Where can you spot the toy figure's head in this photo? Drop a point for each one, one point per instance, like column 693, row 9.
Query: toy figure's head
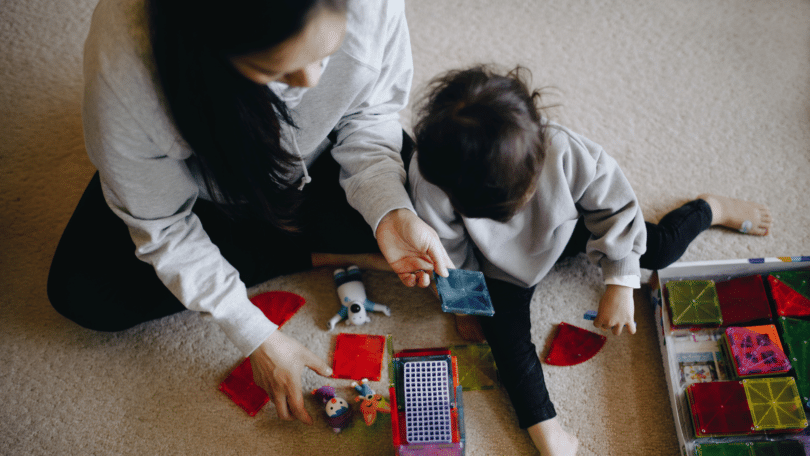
column 338, row 413
column 357, row 314
column 336, row 406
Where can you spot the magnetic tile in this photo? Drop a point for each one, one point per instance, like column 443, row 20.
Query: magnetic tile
column 693, row 302
column 789, row 293
column 719, row 408
column 743, row 300
column 278, row 306
column 358, row 356
column 572, row 345
column 724, row 449
column 476, row 366
column 775, row 403
column 239, row 386
column 796, row 335
column 778, row 448
column 756, row 350
column 464, row 292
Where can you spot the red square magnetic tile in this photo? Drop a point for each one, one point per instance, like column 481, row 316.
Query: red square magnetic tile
column 358, row 356
column 743, row 300
column 720, row 408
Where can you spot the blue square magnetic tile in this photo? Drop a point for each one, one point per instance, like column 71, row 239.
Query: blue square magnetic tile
column 464, row 292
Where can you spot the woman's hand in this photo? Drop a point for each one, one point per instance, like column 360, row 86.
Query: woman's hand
column 616, row 310
column 277, row 365
column 411, row 247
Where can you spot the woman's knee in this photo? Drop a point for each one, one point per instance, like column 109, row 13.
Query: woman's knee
column 71, row 300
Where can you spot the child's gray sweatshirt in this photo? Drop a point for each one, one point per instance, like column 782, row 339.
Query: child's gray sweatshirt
column 577, row 179
column 149, row 183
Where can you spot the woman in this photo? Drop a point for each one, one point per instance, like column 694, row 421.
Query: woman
column 208, row 122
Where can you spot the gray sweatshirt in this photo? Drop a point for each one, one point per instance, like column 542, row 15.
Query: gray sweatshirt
column 577, row 179
column 149, row 183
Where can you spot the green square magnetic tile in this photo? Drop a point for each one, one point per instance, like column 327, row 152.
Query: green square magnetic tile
column 778, row 448
column 476, row 366
column 693, row 302
column 775, row 403
column 796, row 338
column 724, row 449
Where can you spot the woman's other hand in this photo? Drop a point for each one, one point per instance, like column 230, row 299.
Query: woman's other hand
column 277, row 365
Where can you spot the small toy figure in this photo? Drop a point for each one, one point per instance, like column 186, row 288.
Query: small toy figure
column 352, row 296
column 338, row 413
column 371, row 402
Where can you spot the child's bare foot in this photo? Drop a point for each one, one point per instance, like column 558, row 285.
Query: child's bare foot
column 551, row 439
column 469, row 328
column 743, row 216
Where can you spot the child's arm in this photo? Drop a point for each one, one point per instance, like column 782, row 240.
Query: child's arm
column 616, row 310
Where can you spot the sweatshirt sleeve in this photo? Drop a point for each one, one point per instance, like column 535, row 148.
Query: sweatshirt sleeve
column 152, row 191
column 610, row 209
column 369, row 137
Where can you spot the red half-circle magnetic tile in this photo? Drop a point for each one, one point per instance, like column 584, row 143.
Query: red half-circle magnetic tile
column 754, row 353
column 743, row 300
column 239, row 386
column 573, row 345
column 789, row 302
column 278, row 306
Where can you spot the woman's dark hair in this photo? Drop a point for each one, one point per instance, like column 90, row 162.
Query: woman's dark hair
column 232, row 124
column 480, row 139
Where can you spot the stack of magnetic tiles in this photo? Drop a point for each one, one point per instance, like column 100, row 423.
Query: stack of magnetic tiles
column 770, row 365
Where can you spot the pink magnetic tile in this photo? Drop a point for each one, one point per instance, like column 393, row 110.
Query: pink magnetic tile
column 755, row 353
column 358, row 356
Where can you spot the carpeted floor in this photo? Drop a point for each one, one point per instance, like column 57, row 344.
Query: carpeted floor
column 688, row 96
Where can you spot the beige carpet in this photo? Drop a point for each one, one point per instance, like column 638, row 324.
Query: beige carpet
column 689, row 96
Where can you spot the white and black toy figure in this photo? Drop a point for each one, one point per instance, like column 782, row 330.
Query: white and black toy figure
column 338, row 413
column 352, row 294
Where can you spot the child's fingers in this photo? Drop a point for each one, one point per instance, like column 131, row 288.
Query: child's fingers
column 408, row 278
column 631, row 327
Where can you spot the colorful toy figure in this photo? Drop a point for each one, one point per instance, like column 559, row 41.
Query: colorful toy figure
column 352, row 294
column 370, row 402
column 338, row 413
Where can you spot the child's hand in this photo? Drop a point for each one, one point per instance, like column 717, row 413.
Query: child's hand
column 616, row 310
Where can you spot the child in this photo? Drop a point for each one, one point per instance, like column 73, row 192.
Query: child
column 509, row 193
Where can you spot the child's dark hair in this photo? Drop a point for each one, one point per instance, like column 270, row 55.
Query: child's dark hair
column 480, row 139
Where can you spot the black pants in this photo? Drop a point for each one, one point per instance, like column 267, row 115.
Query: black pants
column 96, row 281
column 508, row 332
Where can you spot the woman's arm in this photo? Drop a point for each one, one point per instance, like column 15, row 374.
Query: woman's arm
column 147, row 184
